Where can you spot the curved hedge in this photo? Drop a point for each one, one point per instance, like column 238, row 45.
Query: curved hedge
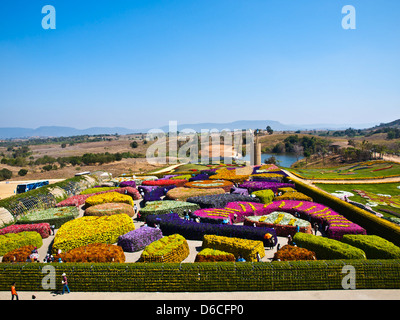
column 374, row 247
column 326, row 248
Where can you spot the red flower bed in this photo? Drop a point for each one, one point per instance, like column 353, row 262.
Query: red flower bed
column 164, row 183
column 42, row 228
column 80, row 199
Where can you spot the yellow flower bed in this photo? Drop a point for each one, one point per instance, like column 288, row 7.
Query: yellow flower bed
column 173, row 248
column 108, row 198
column 293, row 196
column 248, row 249
column 91, row 229
column 229, row 175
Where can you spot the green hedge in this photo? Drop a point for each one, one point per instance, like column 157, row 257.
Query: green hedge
column 374, row 247
column 206, row 276
column 367, row 220
column 326, row 248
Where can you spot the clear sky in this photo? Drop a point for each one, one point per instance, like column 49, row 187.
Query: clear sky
column 139, row 64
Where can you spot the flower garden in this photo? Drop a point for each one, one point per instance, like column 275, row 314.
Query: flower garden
column 191, row 236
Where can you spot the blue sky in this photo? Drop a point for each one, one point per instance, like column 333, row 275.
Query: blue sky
column 139, row 64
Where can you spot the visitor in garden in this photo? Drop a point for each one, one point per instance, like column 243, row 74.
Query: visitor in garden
column 64, row 282
column 14, row 292
column 240, row 258
column 52, row 227
column 315, row 226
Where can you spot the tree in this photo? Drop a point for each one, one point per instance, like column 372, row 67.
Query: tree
column 269, row 130
column 22, row 172
column 134, row 144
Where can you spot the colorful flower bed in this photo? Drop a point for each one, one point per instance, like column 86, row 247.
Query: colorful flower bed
column 210, row 184
column 12, row 241
column 91, row 229
column 220, row 200
column 166, row 206
column 386, row 200
column 374, row 246
column 18, row 255
column 42, row 228
column 292, row 253
column 248, row 249
column 261, row 185
column 293, row 195
column 337, row 224
column 213, row 255
column 173, row 248
column 107, row 209
column 191, row 230
column 79, row 200
column 97, row 190
column 95, row 252
column 128, row 183
column 53, row 216
column 182, row 193
column 108, row 198
column 284, row 223
column 138, row 239
column 233, row 212
column 74, row 201
column 267, row 177
column 165, row 182
column 229, row 175
column 327, row 249
column 265, row 196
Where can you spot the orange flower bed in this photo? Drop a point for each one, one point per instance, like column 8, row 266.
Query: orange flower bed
column 289, row 253
column 96, row 252
column 18, row 255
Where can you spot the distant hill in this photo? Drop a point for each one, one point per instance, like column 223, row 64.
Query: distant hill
column 58, row 131
column 393, row 124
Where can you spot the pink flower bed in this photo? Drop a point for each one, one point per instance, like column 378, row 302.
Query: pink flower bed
column 234, row 212
column 316, row 212
column 80, row 199
column 42, row 228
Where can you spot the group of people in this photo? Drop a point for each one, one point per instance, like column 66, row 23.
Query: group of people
column 64, row 282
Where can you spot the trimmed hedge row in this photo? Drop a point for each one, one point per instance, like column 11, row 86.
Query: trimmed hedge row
column 367, row 220
column 206, row 276
column 326, row 248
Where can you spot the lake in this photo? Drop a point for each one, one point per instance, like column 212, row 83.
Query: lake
column 285, row 159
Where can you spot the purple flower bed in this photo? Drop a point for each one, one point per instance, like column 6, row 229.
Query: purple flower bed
column 191, row 230
column 262, row 185
column 242, row 191
column 128, row 184
column 138, row 239
column 201, row 176
column 220, row 200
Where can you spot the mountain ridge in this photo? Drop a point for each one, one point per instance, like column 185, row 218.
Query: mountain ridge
column 63, row 131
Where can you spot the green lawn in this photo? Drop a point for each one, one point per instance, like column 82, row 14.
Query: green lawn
column 376, row 188
column 363, row 170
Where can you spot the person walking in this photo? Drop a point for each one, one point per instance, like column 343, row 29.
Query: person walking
column 64, row 281
column 14, row 292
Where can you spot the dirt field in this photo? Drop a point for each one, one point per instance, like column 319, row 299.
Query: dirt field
column 7, row 188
